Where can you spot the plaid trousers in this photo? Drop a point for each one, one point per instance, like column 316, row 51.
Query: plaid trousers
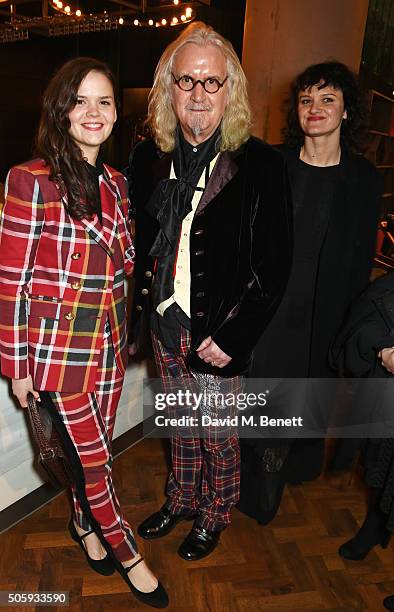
column 205, row 475
column 89, row 419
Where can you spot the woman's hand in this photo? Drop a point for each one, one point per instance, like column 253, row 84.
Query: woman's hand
column 211, row 353
column 387, row 357
column 21, row 387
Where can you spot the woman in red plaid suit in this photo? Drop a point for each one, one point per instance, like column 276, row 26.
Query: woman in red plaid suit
column 65, row 246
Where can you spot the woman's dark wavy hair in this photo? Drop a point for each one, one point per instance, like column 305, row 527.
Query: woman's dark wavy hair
column 337, row 75
column 54, row 143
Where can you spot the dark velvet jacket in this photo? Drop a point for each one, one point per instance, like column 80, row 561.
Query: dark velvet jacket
column 240, row 247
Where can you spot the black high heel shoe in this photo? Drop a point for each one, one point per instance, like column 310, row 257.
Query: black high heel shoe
column 105, row 566
column 372, row 532
column 157, row 598
column 356, row 550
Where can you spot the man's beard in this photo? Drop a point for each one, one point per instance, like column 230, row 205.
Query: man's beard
column 197, row 127
column 197, row 121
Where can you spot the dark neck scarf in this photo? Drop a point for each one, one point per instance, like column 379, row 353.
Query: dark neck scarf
column 172, row 199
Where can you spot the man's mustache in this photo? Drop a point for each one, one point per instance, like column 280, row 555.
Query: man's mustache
column 198, row 107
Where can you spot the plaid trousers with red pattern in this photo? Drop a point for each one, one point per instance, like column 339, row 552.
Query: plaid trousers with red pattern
column 89, row 419
column 205, row 475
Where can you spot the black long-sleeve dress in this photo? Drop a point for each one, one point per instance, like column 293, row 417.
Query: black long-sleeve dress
column 336, row 210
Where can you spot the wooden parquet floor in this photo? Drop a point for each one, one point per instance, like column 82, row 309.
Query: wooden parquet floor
column 290, row 565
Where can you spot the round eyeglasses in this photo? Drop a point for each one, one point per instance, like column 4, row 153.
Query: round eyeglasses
column 187, row 83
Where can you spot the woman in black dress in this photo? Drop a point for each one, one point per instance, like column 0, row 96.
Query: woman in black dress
column 336, row 195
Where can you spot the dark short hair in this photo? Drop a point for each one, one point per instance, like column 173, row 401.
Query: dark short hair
column 338, row 76
column 54, row 143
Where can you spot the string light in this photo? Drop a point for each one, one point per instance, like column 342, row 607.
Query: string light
column 106, row 17
column 74, row 21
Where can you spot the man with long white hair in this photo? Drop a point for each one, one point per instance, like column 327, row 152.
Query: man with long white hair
column 213, row 255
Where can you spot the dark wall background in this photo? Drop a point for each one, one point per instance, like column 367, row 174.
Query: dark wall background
column 26, row 66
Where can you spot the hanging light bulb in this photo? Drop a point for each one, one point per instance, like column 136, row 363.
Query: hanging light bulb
column 70, row 8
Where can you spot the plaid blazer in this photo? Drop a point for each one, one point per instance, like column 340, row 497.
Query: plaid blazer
column 61, row 280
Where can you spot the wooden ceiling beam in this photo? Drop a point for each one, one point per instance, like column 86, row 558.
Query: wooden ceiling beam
column 18, row 2
column 128, row 4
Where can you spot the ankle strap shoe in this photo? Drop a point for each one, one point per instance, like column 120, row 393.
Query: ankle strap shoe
column 105, row 566
column 157, row 598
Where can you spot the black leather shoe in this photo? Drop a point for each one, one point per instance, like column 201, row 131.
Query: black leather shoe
column 198, row 544
column 105, row 566
column 161, row 523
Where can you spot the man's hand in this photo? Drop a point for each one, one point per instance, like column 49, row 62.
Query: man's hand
column 387, row 357
column 133, row 348
column 211, row 353
column 21, row 387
